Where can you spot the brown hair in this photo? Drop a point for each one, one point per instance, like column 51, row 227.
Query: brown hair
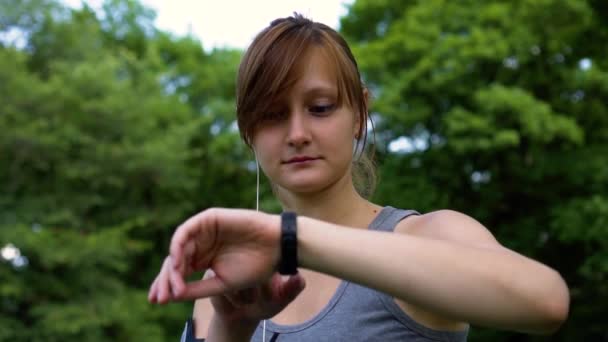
column 270, row 67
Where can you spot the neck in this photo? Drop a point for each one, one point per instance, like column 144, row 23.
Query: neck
column 339, row 203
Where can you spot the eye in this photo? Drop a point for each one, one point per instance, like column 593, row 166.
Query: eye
column 321, row 109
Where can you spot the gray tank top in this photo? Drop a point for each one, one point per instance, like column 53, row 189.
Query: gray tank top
column 358, row 313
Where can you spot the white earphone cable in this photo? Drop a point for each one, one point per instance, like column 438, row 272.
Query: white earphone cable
column 257, row 208
column 257, row 186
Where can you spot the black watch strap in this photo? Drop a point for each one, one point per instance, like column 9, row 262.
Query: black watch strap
column 288, row 264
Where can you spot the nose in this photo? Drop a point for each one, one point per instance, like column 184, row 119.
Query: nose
column 298, row 130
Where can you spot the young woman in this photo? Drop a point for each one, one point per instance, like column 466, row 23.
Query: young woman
column 366, row 272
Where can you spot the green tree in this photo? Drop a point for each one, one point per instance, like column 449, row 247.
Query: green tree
column 498, row 107
column 113, row 133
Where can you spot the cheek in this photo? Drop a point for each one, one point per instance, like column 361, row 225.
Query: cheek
column 341, row 148
column 344, row 137
column 262, row 141
column 266, row 153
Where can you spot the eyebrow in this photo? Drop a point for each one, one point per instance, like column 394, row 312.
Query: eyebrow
column 321, row 90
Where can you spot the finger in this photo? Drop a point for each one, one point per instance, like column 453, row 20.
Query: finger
column 204, row 288
column 292, row 287
column 164, row 287
column 176, row 280
column 209, row 222
column 269, row 288
column 160, row 286
column 186, row 232
column 154, row 288
column 281, row 289
column 152, row 291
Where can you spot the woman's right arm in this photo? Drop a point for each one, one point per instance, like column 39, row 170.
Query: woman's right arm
column 235, row 316
column 211, row 327
column 197, row 327
column 201, row 317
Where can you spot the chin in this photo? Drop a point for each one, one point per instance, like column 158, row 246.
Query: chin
column 307, row 185
column 300, row 183
column 304, row 187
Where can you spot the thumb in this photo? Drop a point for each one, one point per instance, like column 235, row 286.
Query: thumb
column 210, row 285
column 290, row 287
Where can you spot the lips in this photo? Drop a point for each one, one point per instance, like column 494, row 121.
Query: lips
column 300, row 159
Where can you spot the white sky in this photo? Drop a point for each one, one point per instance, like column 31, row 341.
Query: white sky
column 233, row 23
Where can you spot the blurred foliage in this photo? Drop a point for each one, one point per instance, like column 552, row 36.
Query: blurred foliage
column 501, row 107
column 113, row 132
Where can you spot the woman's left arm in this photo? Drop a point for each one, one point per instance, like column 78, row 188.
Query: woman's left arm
column 445, row 262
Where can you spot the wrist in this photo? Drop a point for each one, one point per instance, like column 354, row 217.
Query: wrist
column 312, row 236
column 303, row 232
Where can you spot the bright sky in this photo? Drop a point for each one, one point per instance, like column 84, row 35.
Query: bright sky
column 233, row 23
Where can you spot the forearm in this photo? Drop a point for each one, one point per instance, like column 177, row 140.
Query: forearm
column 480, row 286
column 221, row 330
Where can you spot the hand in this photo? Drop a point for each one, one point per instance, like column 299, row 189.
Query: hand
column 261, row 302
column 240, row 246
column 247, row 305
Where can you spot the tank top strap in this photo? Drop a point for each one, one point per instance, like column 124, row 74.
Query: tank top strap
column 389, row 217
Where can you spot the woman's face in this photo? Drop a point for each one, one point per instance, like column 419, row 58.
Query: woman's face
column 305, row 143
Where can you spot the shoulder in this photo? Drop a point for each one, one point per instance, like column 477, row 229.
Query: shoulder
column 448, row 225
